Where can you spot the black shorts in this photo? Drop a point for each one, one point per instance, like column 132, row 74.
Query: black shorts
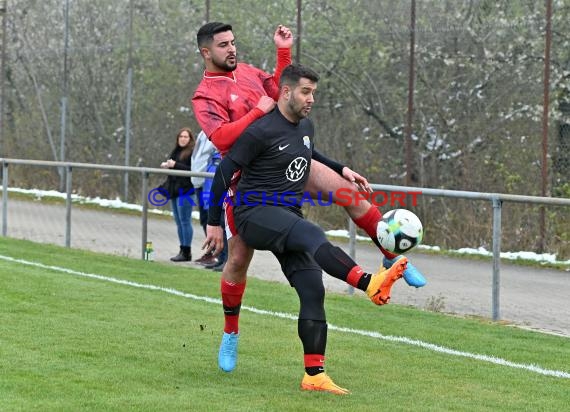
column 267, row 228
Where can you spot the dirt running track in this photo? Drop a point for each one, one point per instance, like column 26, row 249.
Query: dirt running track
column 529, row 297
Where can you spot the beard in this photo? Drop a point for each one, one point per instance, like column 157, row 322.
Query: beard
column 296, row 110
column 225, row 65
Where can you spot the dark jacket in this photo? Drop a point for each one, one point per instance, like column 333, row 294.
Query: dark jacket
column 179, row 184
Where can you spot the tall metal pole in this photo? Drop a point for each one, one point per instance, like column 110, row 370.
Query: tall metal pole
column 129, row 103
column 3, row 11
column 545, row 108
column 299, row 32
column 411, row 78
column 63, row 126
column 496, row 289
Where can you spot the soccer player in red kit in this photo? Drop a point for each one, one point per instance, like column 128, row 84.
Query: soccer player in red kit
column 229, row 98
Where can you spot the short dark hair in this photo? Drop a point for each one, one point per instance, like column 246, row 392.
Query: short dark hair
column 206, row 33
column 294, row 72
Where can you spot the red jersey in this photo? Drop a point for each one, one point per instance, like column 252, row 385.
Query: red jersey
column 225, row 103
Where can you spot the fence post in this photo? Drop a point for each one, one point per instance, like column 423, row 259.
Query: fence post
column 68, row 207
column 4, row 197
column 497, row 203
column 351, row 247
column 144, row 212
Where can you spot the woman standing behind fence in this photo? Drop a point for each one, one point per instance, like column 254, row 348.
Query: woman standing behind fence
column 181, row 159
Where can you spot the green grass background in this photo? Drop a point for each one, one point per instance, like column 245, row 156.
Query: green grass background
column 71, row 343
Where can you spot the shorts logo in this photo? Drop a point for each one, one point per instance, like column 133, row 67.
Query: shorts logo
column 296, row 169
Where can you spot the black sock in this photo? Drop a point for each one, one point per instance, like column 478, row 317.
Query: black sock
column 334, row 261
column 314, row 370
column 364, row 281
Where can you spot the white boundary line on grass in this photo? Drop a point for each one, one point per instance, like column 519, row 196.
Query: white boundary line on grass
column 376, row 335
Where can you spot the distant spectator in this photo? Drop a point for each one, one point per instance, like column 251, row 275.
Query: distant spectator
column 180, row 159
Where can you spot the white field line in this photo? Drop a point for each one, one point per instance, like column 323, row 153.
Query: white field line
column 376, row 335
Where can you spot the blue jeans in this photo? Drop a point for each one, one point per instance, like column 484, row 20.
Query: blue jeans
column 182, row 211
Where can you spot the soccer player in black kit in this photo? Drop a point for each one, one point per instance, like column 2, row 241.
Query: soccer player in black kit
column 274, row 155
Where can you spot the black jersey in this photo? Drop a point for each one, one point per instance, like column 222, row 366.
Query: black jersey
column 275, row 157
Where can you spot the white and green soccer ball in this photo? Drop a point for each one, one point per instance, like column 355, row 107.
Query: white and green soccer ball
column 399, row 231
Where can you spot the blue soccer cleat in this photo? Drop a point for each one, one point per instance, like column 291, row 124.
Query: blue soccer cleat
column 412, row 275
column 227, row 357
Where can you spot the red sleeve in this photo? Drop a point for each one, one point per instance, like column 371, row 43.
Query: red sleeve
column 226, row 135
column 283, row 60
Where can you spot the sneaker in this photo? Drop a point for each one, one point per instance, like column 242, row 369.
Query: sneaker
column 205, row 259
column 208, row 260
column 227, row 357
column 322, row 382
column 215, row 262
column 381, row 283
column 412, row 275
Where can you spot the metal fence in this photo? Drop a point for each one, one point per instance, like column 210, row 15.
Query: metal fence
column 447, row 94
column 495, row 199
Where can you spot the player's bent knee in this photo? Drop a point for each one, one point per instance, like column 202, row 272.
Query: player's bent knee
column 239, row 256
column 236, row 264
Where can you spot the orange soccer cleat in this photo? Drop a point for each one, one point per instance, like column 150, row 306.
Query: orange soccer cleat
column 381, row 283
column 322, row 382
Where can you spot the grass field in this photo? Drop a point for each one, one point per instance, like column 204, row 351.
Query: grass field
column 86, row 331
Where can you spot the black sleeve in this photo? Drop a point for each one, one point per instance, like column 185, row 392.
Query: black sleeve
column 319, row 157
column 183, row 164
column 220, row 184
column 180, row 164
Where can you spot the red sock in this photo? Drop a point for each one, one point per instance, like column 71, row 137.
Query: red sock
column 232, row 294
column 314, row 359
column 314, row 363
column 369, row 223
column 354, row 276
column 389, row 255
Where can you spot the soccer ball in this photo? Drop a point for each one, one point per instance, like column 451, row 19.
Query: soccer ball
column 399, row 231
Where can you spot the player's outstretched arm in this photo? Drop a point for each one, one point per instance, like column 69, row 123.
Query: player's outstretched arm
column 226, row 135
column 347, row 173
column 283, row 39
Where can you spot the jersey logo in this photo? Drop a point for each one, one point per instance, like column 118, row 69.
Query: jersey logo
column 307, row 142
column 234, row 97
column 296, row 169
column 284, row 146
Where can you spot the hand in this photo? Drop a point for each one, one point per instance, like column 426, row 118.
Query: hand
column 283, row 37
column 214, row 240
column 170, row 163
column 266, row 104
column 164, row 165
column 355, row 178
